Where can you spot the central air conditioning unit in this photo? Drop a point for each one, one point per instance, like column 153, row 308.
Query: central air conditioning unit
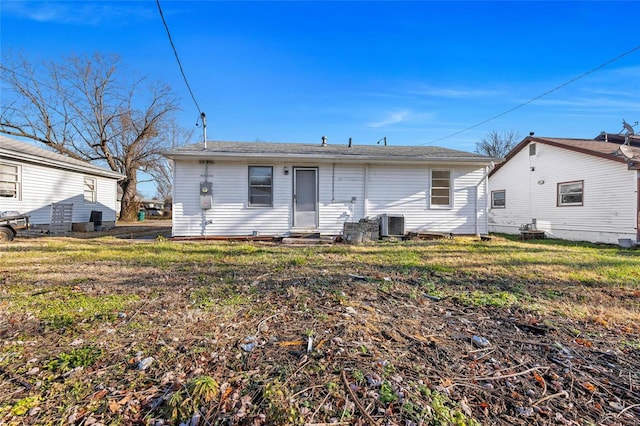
column 391, row 225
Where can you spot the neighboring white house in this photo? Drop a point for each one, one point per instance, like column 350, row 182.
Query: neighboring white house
column 32, row 178
column 573, row 189
column 242, row 188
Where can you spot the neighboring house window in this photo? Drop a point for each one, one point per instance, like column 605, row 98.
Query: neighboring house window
column 532, row 149
column 261, row 186
column 90, row 193
column 9, row 181
column 498, row 199
column 570, row 193
column 441, row 188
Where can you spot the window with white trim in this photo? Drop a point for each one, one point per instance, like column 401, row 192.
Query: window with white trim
column 441, row 188
column 570, row 193
column 498, row 199
column 10, row 181
column 260, row 186
column 90, row 190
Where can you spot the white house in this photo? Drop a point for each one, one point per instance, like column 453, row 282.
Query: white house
column 32, row 178
column 243, row 188
column 573, row 189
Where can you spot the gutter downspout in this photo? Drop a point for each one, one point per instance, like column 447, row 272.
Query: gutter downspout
column 366, row 191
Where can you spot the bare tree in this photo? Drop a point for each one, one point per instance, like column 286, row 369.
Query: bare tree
column 87, row 108
column 163, row 174
column 497, row 144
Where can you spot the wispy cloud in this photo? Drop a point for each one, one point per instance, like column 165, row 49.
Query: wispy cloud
column 391, row 118
column 452, row 93
column 77, row 12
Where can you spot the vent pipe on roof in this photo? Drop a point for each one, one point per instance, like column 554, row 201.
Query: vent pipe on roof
column 350, row 143
column 204, row 129
column 324, row 141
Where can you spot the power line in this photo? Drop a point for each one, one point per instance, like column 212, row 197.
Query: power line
column 175, row 52
column 573, row 80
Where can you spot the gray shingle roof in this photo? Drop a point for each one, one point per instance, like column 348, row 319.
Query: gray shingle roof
column 21, row 151
column 329, row 151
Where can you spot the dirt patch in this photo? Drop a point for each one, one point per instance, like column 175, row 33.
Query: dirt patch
column 145, row 230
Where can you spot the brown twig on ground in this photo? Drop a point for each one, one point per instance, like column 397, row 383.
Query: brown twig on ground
column 356, row 400
column 548, row 397
column 627, row 409
column 16, row 379
column 320, row 406
column 527, row 342
column 506, row 376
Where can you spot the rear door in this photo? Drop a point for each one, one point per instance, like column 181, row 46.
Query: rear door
column 305, row 197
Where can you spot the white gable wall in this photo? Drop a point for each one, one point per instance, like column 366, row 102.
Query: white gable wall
column 347, row 192
column 610, row 197
column 41, row 186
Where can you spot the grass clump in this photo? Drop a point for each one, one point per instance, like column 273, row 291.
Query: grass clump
column 442, row 410
column 79, row 357
column 198, row 393
column 223, row 294
column 63, row 306
column 486, row 298
column 22, row 406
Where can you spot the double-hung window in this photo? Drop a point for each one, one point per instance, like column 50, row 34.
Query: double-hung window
column 571, row 193
column 90, row 190
column 498, row 199
column 441, row 188
column 9, row 181
column 260, row 186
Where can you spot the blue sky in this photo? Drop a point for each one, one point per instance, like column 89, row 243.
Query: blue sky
column 415, row 72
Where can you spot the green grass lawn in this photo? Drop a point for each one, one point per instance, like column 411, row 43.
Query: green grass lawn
column 78, row 316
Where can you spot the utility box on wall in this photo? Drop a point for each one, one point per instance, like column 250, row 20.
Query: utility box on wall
column 206, row 197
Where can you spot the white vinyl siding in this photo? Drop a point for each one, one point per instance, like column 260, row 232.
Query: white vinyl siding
column 230, row 213
column 42, row 185
column 346, row 193
column 341, row 195
column 609, row 207
column 36, row 178
column 9, row 180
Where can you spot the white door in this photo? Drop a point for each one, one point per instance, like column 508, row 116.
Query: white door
column 305, row 197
